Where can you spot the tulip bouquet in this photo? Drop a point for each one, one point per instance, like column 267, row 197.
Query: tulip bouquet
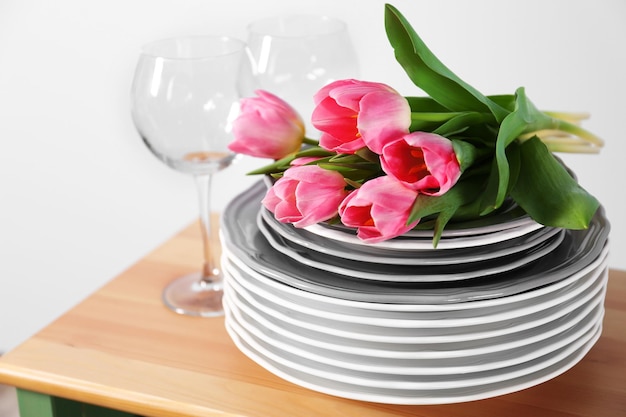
column 387, row 163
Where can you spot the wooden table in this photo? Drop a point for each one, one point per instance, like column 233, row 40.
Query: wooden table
column 120, row 349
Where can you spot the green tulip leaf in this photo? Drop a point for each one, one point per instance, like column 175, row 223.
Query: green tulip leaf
column 429, row 73
column 425, row 104
column 548, row 193
column 466, row 153
column 503, row 144
column 283, row 164
column 459, row 123
column 445, row 206
column 489, row 194
column 506, row 101
column 524, row 118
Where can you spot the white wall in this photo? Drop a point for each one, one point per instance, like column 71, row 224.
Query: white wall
column 82, row 199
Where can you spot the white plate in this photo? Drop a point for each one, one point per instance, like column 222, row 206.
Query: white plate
column 343, row 305
column 496, row 232
column 425, row 244
column 412, row 343
column 415, row 360
column 304, row 239
column 408, row 273
column 408, row 383
column 433, row 319
column 424, row 347
column 415, row 397
column 433, row 332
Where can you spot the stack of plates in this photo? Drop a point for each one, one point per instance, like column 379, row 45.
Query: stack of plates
column 495, row 309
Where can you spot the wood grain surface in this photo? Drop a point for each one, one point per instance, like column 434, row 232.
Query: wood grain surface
column 120, row 348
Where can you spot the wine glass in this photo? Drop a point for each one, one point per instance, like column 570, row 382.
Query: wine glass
column 184, row 98
column 294, row 56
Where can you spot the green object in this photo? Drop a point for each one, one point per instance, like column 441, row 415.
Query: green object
column 523, row 168
column 34, row 404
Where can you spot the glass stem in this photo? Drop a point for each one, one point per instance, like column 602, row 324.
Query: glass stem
column 210, row 270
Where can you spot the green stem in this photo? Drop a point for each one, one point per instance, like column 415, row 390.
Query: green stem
column 578, row 131
column 569, row 145
column 284, row 163
column 559, row 132
column 433, row 116
column 310, row 141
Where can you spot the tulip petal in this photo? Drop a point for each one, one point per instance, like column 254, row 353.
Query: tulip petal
column 349, row 113
column 379, row 209
column 423, row 161
column 306, row 195
column 384, row 117
column 267, row 127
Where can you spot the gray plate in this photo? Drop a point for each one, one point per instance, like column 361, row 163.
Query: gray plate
column 454, row 271
column 243, row 239
column 306, row 240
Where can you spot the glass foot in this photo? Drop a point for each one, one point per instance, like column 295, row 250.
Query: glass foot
column 190, row 296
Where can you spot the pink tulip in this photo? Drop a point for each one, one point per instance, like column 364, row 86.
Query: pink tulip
column 306, row 195
column 267, row 127
column 379, row 209
column 352, row 114
column 424, row 162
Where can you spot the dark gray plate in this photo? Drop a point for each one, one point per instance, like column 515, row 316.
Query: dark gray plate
column 243, row 239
